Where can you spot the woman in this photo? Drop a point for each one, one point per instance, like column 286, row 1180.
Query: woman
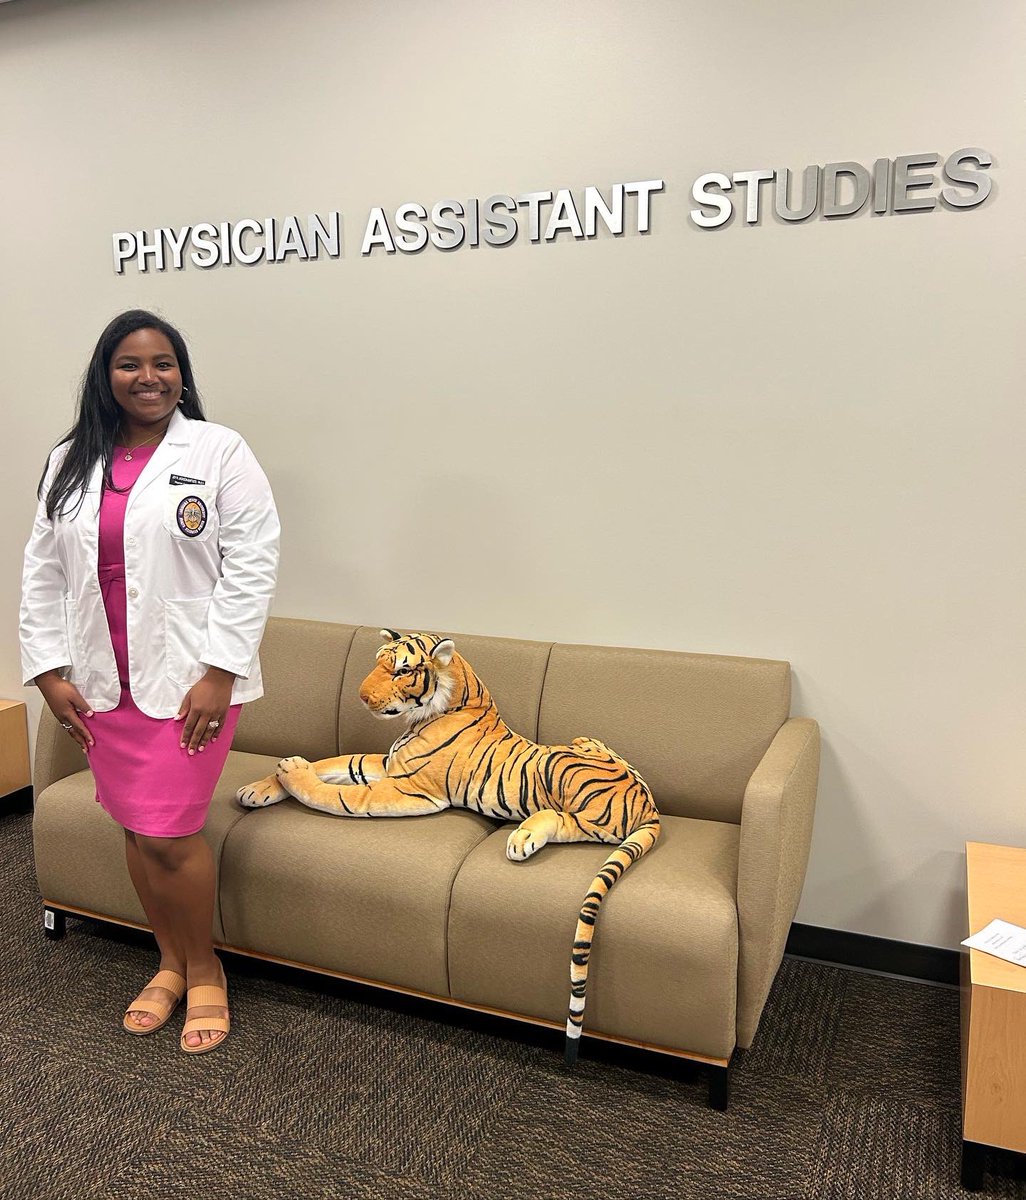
column 147, row 583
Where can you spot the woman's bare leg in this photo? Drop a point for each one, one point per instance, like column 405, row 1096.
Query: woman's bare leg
column 172, row 955
column 180, row 876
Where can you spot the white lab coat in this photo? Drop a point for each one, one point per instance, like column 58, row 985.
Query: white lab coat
column 201, row 559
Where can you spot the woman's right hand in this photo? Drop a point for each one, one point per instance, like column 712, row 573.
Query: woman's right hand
column 66, row 703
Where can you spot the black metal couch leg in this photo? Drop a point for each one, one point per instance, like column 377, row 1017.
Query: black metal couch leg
column 719, row 1088
column 54, row 923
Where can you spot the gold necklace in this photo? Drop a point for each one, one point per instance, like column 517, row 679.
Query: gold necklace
column 129, row 449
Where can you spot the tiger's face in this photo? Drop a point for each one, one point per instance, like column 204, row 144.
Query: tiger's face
column 409, row 678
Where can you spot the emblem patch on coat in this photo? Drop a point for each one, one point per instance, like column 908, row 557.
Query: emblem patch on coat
column 192, row 516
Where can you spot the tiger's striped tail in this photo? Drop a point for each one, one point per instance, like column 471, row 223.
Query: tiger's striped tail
column 638, row 842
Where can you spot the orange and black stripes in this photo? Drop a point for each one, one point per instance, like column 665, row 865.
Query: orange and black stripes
column 639, row 842
column 458, row 750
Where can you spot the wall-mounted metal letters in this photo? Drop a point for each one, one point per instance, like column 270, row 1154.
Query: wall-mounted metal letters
column 837, row 189
column 841, row 189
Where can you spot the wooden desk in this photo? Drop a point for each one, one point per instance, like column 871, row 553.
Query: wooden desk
column 15, row 774
column 993, row 1013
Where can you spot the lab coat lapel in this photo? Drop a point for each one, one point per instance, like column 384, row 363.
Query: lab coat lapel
column 94, row 492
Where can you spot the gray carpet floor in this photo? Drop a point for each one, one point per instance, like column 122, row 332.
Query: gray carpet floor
column 851, row 1091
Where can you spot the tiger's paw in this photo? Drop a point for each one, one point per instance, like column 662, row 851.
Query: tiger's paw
column 261, row 794
column 521, row 844
column 292, row 772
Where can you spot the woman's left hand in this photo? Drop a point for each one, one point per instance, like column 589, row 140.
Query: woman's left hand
column 204, row 708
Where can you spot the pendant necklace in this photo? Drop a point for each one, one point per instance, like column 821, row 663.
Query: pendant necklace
column 129, row 449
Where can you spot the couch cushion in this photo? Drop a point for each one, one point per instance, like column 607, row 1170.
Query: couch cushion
column 664, row 960
column 302, row 664
column 694, row 725
column 80, row 850
column 511, row 669
column 361, row 896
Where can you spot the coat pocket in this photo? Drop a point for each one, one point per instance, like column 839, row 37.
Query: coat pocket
column 72, row 623
column 190, row 513
column 185, row 631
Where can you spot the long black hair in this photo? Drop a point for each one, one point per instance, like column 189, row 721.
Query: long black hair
column 98, row 416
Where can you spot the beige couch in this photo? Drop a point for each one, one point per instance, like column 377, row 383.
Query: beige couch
column 688, row 942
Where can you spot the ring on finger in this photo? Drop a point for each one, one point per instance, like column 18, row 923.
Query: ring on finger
column 66, row 726
column 213, row 724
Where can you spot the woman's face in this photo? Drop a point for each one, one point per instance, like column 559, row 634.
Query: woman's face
column 145, row 378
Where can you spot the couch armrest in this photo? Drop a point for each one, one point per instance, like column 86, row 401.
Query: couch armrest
column 776, row 832
column 57, row 755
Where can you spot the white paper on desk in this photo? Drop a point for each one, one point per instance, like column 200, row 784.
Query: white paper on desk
column 1001, row 939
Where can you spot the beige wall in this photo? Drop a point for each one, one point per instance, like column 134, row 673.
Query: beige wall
column 802, row 442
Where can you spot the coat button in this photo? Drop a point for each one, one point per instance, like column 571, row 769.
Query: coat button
column 130, row 541
column 133, row 592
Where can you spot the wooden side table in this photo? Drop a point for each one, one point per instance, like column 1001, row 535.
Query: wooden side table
column 993, row 1013
column 15, row 773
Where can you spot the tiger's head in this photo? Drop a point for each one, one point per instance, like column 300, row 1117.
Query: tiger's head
column 411, row 677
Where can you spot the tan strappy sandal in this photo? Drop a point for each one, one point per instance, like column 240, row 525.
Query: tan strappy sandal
column 171, row 982
column 199, row 997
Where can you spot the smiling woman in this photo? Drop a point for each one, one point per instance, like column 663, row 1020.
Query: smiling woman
column 146, row 590
column 107, row 411
column 147, row 385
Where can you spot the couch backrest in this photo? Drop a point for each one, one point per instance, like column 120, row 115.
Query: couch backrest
column 302, row 664
column 694, row 725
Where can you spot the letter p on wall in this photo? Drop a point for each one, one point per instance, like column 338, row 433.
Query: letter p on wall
column 124, row 248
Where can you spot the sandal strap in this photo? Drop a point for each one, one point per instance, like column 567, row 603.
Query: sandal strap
column 156, row 1007
column 171, row 981
column 207, row 994
column 210, row 1024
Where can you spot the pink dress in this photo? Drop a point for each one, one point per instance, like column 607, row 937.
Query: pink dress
column 144, row 778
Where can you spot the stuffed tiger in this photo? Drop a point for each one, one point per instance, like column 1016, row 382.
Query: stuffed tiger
column 457, row 752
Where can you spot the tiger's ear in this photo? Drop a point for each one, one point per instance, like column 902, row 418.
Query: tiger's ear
column 443, row 652
column 390, row 635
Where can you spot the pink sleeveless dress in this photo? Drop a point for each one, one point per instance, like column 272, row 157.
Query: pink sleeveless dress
column 144, row 779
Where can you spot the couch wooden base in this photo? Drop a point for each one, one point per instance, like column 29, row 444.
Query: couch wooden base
column 717, row 1069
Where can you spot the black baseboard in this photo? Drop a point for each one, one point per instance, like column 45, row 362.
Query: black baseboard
column 933, row 964
column 17, row 802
